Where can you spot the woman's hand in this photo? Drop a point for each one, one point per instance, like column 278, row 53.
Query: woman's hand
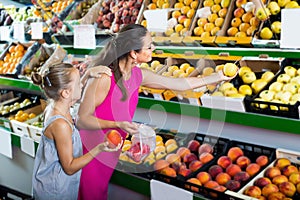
column 95, row 72
column 104, row 147
column 129, row 127
column 226, row 78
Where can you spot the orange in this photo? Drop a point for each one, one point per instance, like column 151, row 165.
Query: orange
column 19, row 54
column 11, row 49
column 32, row 115
column 19, row 47
column 114, row 138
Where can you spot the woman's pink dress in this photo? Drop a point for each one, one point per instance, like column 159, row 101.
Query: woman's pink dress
column 96, row 175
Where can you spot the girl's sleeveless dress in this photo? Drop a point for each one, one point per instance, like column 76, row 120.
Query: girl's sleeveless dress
column 49, row 180
column 96, row 175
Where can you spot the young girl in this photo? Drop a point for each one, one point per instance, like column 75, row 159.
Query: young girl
column 59, row 158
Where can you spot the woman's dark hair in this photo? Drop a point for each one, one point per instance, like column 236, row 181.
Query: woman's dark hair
column 129, row 38
column 53, row 79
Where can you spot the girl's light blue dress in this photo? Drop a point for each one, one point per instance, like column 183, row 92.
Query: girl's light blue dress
column 49, row 180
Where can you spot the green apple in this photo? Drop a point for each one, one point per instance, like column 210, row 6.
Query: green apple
column 274, row 7
column 267, row 95
column 248, row 77
column 266, row 33
column 290, row 70
column 263, row 13
column 258, row 85
column 283, row 78
column 276, row 27
column 291, row 87
column 276, row 86
column 282, row 3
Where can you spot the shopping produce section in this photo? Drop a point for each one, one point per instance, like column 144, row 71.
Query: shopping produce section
column 203, row 37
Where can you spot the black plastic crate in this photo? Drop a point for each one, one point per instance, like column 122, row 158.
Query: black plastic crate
column 274, row 108
column 10, row 194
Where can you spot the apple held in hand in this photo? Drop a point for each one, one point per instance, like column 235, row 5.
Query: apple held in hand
column 263, row 13
column 230, row 69
column 114, row 138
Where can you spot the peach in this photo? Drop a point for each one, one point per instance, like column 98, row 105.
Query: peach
column 271, row 172
column 268, row 189
column 172, row 158
column 262, row 160
column 182, row 151
column 195, row 165
column 287, row 188
column 235, row 152
column 233, row 185
column 114, row 138
column 205, row 148
column 160, row 164
column 253, row 169
column 238, row 12
column 189, row 158
column 206, row 157
column 279, row 179
column 262, row 182
column 233, row 169
column 295, row 178
column 211, row 184
column 262, row 198
column 243, row 161
column 168, row 171
column 289, row 169
column 204, row 177
column 282, row 162
column 224, row 161
column 178, row 165
column 193, row 145
column 242, row 177
column 253, row 191
column 298, row 187
column 220, row 188
column 193, row 181
column 222, row 178
column 184, row 172
column 214, row 170
column 276, row 196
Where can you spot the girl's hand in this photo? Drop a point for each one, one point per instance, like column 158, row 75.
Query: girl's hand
column 96, row 72
column 104, row 147
column 129, row 127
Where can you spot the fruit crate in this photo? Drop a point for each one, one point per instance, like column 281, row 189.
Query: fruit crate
column 290, row 158
column 235, row 31
column 193, row 142
column 274, row 107
column 215, row 191
column 10, row 194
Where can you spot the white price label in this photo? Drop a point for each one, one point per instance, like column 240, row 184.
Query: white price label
column 37, row 30
column 194, row 101
column 19, row 33
column 4, row 33
column 158, row 96
column 84, row 37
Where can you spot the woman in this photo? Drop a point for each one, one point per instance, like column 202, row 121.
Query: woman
column 115, row 98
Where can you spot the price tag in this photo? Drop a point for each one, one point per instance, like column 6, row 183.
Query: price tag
column 157, row 20
column 84, row 37
column 27, row 145
column 158, row 96
column 194, row 101
column 4, row 33
column 19, row 31
column 37, row 30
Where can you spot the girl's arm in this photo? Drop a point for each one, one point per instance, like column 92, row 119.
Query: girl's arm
column 62, row 135
column 153, row 80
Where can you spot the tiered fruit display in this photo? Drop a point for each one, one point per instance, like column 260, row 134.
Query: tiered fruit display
column 210, row 25
column 12, row 58
column 22, row 116
column 271, row 28
column 5, row 109
column 186, row 160
column 231, row 171
column 181, row 70
column 279, row 181
column 250, row 85
column 243, row 23
column 113, row 15
column 284, row 90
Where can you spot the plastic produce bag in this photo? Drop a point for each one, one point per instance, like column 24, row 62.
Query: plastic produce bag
column 57, row 56
column 143, row 143
column 92, row 14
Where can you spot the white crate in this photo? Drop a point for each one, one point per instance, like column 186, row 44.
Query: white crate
column 35, row 132
column 19, row 128
column 224, row 103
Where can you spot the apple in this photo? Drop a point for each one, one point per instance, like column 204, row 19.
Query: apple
column 263, row 13
column 291, row 87
column 230, row 69
column 258, row 85
column 230, row 92
column 245, row 90
column 276, row 86
column 276, row 27
column 235, row 22
column 244, row 69
column 290, row 70
column 248, row 77
column 283, row 78
column 267, row 95
column 238, row 12
column 239, row 3
column 274, row 7
column 266, row 33
column 193, row 145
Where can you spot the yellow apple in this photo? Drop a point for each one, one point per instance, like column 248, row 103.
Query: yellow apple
column 225, row 86
column 291, row 87
column 267, row 76
column 276, row 27
column 230, row 91
column 258, row 85
column 230, row 69
column 283, row 78
column 244, row 69
column 290, row 70
column 276, row 86
column 248, row 77
column 267, row 95
column 245, row 90
column 263, row 13
column 274, row 7
column 266, row 33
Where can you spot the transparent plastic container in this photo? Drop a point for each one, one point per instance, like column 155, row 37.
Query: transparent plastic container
column 142, row 144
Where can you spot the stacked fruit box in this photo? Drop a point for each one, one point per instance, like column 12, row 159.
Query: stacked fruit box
column 35, row 127
column 269, row 32
column 230, row 171
column 238, row 27
column 198, row 152
column 280, row 97
column 279, row 180
column 210, row 19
